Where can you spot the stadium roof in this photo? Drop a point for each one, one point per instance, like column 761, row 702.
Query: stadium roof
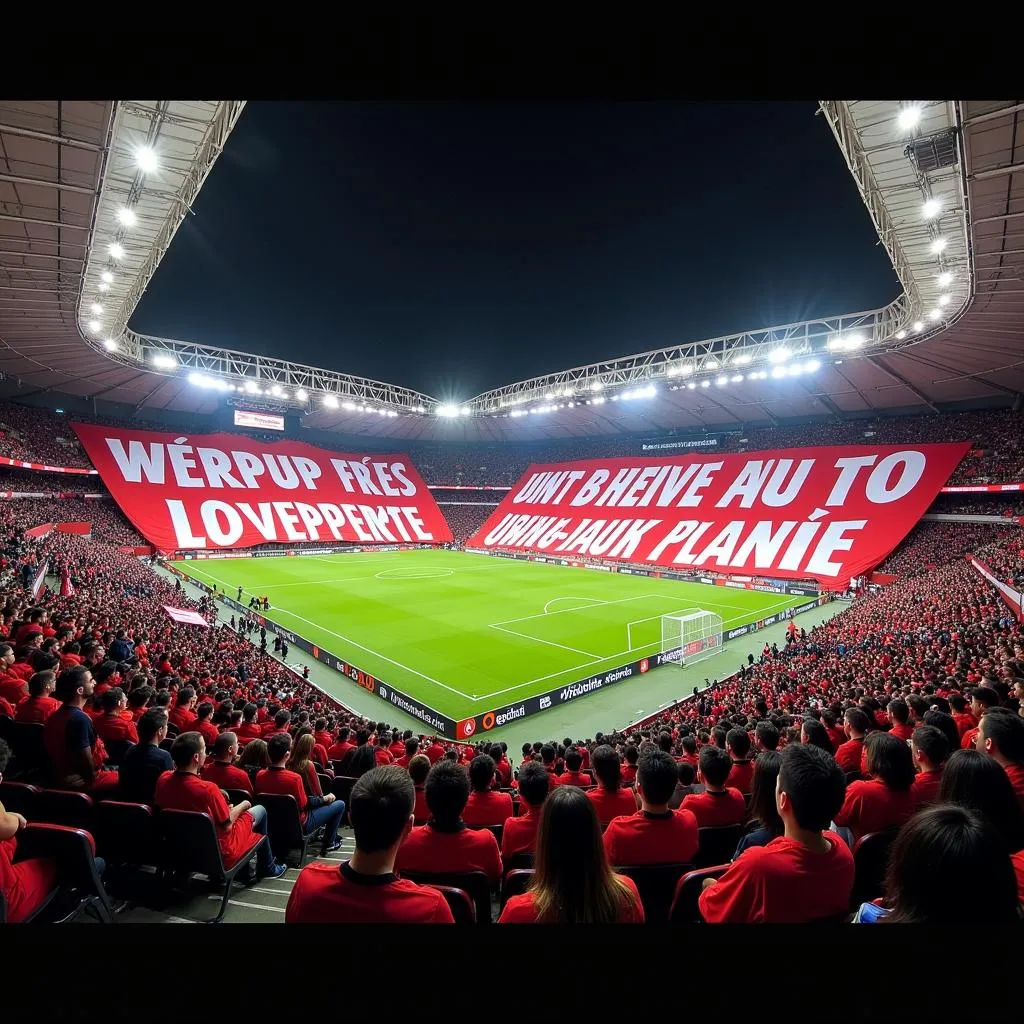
column 942, row 180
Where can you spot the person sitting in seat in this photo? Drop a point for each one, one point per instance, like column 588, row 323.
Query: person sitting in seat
column 655, row 834
column 486, row 806
column 609, row 797
column 929, row 749
column 221, row 769
column 718, row 805
column 444, row 844
column 146, row 761
column 686, row 783
column 520, row 834
column 25, row 885
column 804, row 875
column 314, row 811
column 365, row 889
column 115, row 724
column 40, row 704
column 1001, row 736
column 855, row 727
column 885, row 800
column 76, row 754
column 766, row 824
column 184, row 790
column 573, row 776
column 741, row 775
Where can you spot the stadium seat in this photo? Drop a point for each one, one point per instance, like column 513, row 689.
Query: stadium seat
column 116, row 751
column 684, row 909
column 515, row 883
column 717, row 845
column 18, row 798
column 656, row 884
column 284, row 827
column 326, row 782
column 458, row 902
column 191, row 846
column 30, row 759
column 64, row 807
column 341, row 787
column 79, row 884
column 518, row 862
column 236, row 796
column 6, row 725
column 871, row 860
column 126, row 834
column 475, row 883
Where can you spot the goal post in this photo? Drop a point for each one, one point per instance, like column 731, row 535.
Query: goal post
column 691, row 637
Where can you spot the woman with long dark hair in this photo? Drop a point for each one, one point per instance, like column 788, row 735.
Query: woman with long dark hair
column 812, row 731
column 973, row 780
column 573, row 882
column 933, row 855
column 886, row 799
column 767, row 825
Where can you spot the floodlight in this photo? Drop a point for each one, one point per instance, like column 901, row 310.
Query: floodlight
column 110, row 345
column 908, row 118
column 94, row 326
column 164, row 362
column 330, row 401
column 116, row 250
column 146, row 159
column 96, row 308
column 107, row 276
column 127, row 217
column 301, row 395
column 938, row 245
column 945, row 278
column 931, row 208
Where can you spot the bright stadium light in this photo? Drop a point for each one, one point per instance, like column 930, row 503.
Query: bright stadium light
column 736, row 378
column 722, row 381
column 95, row 326
column 96, row 308
column 276, row 391
column 330, row 401
column 103, row 286
column 741, row 360
column 931, row 208
column 779, row 355
column 938, row 245
column 301, row 395
column 909, row 118
column 812, row 366
column 935, row 314
column 692, row 385
column 596, row 386
column 107, row 277
column 945, row 278
column 116, row 250
column 146, row 159
column 251, row 387
column 162, row 361
column 900, row 335
column 110, row 345
column 127, row 217
column 419, row 408
column 705, row 383
column 447, row 410
column 918, row 327
column 778, row 372
column 943, row 300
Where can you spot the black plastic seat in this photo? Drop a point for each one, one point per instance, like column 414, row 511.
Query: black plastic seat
column 126, row 834
column 717, row 844
column 515, row 883
column 475, row 883
column 18, row 798
column 684, row 909
column 31, row 761
column 284, row 826
column 459, row 903
column 656, row 884
column 64, row 807
column 871, row 861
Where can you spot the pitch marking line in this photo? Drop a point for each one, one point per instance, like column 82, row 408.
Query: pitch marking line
column 564, row 611
column 555, row 600
column 550, row 643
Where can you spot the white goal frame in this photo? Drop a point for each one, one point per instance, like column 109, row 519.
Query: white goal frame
column 687, row 639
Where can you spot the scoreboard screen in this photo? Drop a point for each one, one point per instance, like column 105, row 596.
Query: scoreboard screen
column 258, row 420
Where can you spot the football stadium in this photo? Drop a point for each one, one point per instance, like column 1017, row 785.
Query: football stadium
column 724, row 631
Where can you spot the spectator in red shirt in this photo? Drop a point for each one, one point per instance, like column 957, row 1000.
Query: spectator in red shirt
column 689, row 755
column 766, row 825
column 365, row 889
column 573, row 776
column 855, row 727
column 982, row 699
column 805, row 874
column 609, row 798
column 381, row 753
column 899, row 715
column 486, row 806
column 974, row 780
column 766, row 737
column 115, row 725
column 249, row 729
column 717, row 805
column 929, row 748
column 138, row 701
column 204, row 724
column 812, row 731
column 445, row 844
column 655, row 834
column 25, row 885
column 181, row 714
column 884, row 800
column 435, row 751
column 573, row 882
column 632, row 755
column 184, row 790
column 341, row 746
column 1001, row 736
column 741, row 775
column 411, row 748
column 520, row 834
column 12, row 684
column 961, row 714
column 419, row 769
column 932, row 856
column 222, row 770
column 835, row 732
column 40, row 705
column 314, row 811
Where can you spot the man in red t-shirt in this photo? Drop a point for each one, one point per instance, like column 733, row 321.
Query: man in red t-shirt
column 445, row 844
column 718, row 805
column 982, row 699
column 40, row 704
column 855, row 727
column 204, row 724
column 1001, row 736
column 804, row 875
column 365, row 889
column 899, row 715
column 341, row 746
column 655, row 834
column 486, row 806
column 573, row 776
column 609, row 797
column 250, row 728
column 930, row 748
column 520, row 834
column 115, row 725
column 184, row 790
column 741, row 775
column 221, row 769
column 435, row 751
column 182, row 715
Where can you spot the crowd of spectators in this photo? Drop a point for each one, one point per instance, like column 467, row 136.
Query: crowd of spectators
column 465, row 519
column 931, row 544
column 108, row 523
column 1009, row 506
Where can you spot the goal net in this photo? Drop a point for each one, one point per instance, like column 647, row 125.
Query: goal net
column 691, row 637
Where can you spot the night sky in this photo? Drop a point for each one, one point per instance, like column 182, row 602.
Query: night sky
column 454, row 248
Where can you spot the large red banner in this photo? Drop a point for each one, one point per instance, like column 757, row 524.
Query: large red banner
column 226, row 491
column 797, row 513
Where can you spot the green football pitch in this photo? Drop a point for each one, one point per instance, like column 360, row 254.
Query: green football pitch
column 466, row 633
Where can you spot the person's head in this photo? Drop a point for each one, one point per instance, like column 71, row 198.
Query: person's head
column 152, row 726
column 204, row 711
column 899, row 712
column 889, row 760
column 937, row 853
column 737, row 744
column 715, row 765
column 302, row 751
column 359, row 761
column 689, row 745
column 481, row 772
column 412, row 746
column 763, row 805
column 686, row 773
column 547, row 753
column 982, row 699
column 929, row 748
column 813, row 732
column 766, row 736
column 855, row 723
column 656, row 778
column 113, row 700
column 226, row 747
column 189, row 752
column 1001, row 736
column 419, row 768
column 534, row 784
column 972, row 779
column 945, row 724
column 279, row 746
column 446, row 792
column 75, row 685
column 42, row 684
column 381, row 808
column 573, row 882
column 810, row 789
column 186, row 695
column 573, row 759
column 607, row 768
column 254, row 755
